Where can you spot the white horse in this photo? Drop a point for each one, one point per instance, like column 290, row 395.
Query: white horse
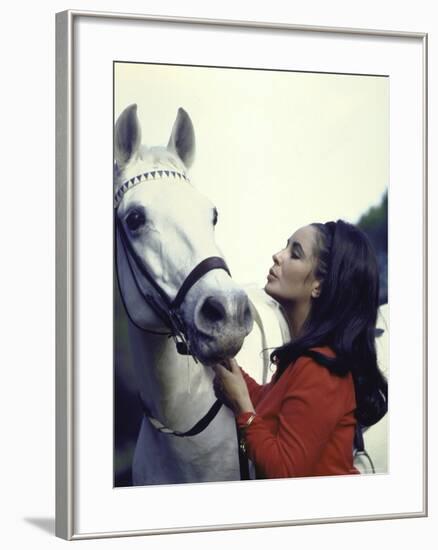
column 179, row 298
column 178, row 294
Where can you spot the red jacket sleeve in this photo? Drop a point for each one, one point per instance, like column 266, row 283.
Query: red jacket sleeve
column 255, row 389
column 308, row 413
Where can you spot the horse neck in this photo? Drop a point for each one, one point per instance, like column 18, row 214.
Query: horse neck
column 177, row 391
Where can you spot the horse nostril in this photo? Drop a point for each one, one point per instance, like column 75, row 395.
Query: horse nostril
column 212, row 310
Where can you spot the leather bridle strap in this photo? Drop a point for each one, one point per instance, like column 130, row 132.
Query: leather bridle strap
column 214, row 262
column 195, row 430
column 359, row 446
column 206, row 265
column 243, row 459
column 129, row 249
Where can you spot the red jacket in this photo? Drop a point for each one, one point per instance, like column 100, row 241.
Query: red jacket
column 304, row 424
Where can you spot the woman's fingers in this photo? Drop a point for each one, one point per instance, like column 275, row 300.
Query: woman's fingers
column 220, row 370
column 229, row 385
column 231, row 364
column 218, row 387
column 219, row 391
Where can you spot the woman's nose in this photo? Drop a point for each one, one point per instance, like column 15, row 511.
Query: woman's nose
column 276, row 258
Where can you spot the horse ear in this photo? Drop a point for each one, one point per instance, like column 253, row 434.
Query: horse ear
column 127, row 136
column 182, row 139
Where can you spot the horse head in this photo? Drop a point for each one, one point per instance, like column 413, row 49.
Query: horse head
column 171, row 274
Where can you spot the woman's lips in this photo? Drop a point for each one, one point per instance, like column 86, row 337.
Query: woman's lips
column 271, row 275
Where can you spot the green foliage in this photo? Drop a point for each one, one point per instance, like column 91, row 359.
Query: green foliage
column 375, row 224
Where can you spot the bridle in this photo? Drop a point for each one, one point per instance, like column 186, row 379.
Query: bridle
column 167, row 310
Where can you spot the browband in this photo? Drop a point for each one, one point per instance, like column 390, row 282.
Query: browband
column 146, row 176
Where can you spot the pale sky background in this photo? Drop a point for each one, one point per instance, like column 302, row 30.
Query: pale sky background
column 274, row 150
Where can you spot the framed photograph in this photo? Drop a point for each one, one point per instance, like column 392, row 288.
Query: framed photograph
column 190, row 154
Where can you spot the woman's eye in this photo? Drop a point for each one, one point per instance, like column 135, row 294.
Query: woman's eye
column 135, row 220
column 215, row 216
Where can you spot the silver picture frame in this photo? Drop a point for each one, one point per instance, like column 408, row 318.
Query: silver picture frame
column 66, row 251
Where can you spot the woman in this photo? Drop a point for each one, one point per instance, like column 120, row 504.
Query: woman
column 327, row 379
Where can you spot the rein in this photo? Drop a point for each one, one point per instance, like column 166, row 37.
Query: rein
column 195, row 430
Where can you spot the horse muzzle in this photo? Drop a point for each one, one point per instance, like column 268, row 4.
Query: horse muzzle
column 220, row 324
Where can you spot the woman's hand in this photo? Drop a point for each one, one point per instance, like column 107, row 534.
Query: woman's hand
column 230, row 386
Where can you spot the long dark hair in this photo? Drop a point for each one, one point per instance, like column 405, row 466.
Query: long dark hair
column 344, row 317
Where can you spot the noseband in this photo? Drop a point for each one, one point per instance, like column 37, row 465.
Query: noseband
column 167, row 310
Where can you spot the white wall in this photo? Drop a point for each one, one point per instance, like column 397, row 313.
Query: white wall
column 27, row 273
column 274, row 150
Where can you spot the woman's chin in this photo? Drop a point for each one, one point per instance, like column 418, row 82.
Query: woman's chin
column 269, row 290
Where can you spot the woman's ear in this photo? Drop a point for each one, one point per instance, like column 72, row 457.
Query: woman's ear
column 316, row 289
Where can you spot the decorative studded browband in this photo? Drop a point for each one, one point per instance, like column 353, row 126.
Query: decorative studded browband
column 146, row 176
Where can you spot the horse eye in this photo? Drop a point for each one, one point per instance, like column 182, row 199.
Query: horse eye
column 135, row 219
column 215, row 216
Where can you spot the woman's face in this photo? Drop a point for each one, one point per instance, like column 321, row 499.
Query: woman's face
column 291, row 279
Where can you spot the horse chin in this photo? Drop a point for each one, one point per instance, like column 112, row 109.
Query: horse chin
column 211, row 352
